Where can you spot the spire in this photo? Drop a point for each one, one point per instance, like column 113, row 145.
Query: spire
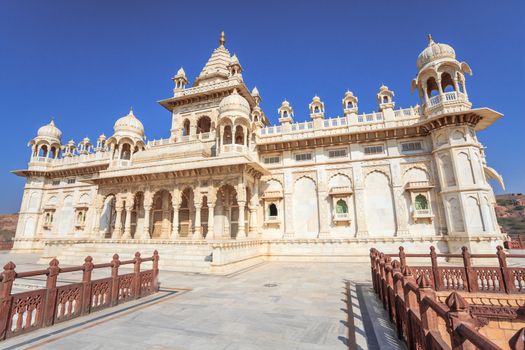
column 222, row 40
column 430, row 40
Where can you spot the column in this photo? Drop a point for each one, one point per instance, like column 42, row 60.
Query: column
column 165, row 229
column 96, row 223
column 197, row 232
column 253, row 209
column 127, row 223
column 147, row 218
column 325, row 216
column 117, row 231
column 175, row 221
column 211, row 219
column 241, row 232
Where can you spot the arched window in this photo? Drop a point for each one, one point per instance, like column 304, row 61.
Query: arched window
column 272, row 210
column 285, row 114
column 341, row 207
column 43, row 151
column 447, row 84
column 204, row 125
column 186, row 128
column 385, row 99
column 432, row 88
column 239, row 135
column 421, row 202
column 126, row 151
column 316, row 109
column 349, row 105
column 227, row 137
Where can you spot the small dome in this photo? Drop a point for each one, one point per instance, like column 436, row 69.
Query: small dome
column 71, row 142
column 383, row 88
column 234, row 60
column 102, row 137
column 181, row 72
column 86, row 139
column 234, row 103
column 433, row 52
column 129, row 125
column 255, row 91
column 285, row 103
column 50, row 131
column 316, row 99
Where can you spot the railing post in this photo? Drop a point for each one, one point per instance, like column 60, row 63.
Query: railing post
column 472, row 278
column 517, row 342
column 508, row 277
column 428, row 315
column 458, row 313
column 8, row 277
column 436, row 278
column 136, row 277
column 51, row 292
column 115, row 263
column 382, row 287
column 156, row 271
column 86, row 285
column 398, row 304
column 402, row 257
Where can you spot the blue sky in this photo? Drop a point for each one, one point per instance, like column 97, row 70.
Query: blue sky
column 86, row 62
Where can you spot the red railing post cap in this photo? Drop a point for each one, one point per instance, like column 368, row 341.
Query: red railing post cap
column 518, row 340
column 9, row 266
column 423, row 281
column 456, row 302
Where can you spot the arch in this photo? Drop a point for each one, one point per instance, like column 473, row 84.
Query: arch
column 32, row 203
column 125, row 151
column 447, row 83
column 186, row 213
column 474, row 215
column 227, row 210
column 29, row 227
column 341, row 207
column 137, row 214
column 43, row 151
column 203, row 124
column 455, row 215
column 458, row 136
column 161, row 214
column 432, row 87
column 465, row 168
column 421, row 202
column 186, row 127
column 305, row 208
column 379, row 205
column 227, row 135
column 448, row 173
column 273, row 185
column 415, row 173
column 272, row 210
column 239, row 135
column 66, row 216
column 339, row 180
column 84, row 198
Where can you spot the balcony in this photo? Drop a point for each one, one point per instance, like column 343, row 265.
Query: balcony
column 424, row 214
column 233, row 148
column 272, row 195
column 418, row 185
column 272, row 220
column 448, row 102
column 340, row 191
column 341, row 217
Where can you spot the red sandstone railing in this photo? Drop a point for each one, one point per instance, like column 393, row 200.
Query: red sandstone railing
column 468, row 278
column 514, row 244
column 27, row 311
column 6, row 245
column 412, row 305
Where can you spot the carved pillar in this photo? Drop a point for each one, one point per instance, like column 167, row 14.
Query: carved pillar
column 127, row 224
column 253, row 209
column 147, row 217
column 117, row 231
column 175, row 201
column 165, row 228
column 212, row 197
column 96, row 223
column 197, row 232
column 241, row 232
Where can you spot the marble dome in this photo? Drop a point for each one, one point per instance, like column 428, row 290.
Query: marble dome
column 234, row 103
column 433, row 52
column 129, row 125
column 50, row 131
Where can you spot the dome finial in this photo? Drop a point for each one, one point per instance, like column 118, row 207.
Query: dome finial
column 430, row 40
column 222, row 39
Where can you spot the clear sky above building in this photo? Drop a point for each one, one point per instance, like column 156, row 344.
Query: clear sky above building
column 86, row 62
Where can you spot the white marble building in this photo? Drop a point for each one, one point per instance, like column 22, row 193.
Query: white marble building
column 227, row 190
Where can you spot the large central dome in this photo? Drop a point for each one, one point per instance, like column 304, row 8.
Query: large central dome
column 129, row 125
column 234, row 103
column 433, row 52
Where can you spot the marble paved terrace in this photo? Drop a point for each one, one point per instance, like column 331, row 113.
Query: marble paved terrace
column 269, row 306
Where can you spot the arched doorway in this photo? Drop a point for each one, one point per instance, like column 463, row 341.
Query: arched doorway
column 203, row 125
column 186, row 214
column 227, row 211
column 137, row 214
column 107, row 219
column 161, row 215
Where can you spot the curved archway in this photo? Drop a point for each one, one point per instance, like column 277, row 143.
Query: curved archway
column 107, row 218
column 227, row 211
column 432, row 87
column 305, row 208
column 447, row 83
column 161, row 214
column 379, row 205
column 203, row 124
column 186, row 127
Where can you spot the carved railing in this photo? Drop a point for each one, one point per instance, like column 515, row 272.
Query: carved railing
column 27, row 311
column 499, row 278
column 409, row 296
column 6, row 245
column 515, row 244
